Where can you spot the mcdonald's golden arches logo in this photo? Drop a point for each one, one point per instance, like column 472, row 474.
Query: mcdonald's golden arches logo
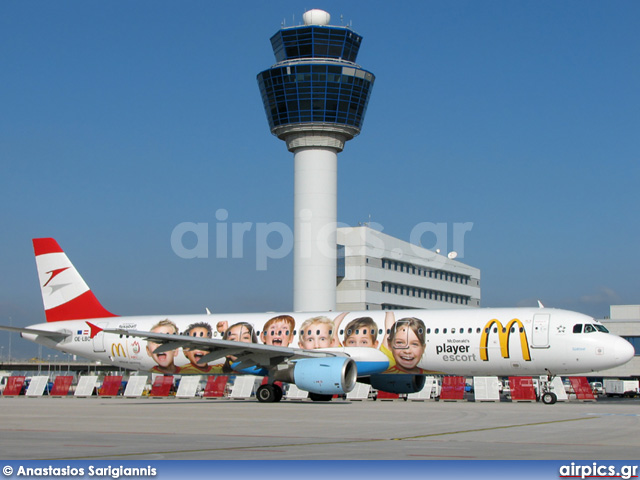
column 117, row 350
column 504, row 332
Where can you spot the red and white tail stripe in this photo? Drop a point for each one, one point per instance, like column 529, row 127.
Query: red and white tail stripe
column 65, row 294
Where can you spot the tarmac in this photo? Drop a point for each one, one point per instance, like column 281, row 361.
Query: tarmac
column 95, row 428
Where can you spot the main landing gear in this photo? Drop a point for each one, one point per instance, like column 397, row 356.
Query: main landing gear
column 269, row 393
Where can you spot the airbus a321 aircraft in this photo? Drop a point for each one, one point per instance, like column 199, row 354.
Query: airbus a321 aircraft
column 322, row 353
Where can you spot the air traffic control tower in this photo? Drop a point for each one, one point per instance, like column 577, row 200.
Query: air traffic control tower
column 315, row 98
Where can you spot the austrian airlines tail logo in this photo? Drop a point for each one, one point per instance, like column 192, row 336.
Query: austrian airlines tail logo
column 94, row 329
column 54, row 274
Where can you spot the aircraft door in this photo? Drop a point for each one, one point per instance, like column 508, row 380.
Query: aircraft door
column 541, row 330
column 98, row 340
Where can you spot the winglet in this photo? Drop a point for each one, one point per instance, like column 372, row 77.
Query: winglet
column 65, row 294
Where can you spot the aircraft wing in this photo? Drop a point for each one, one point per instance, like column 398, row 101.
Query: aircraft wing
column 247, row 354
column 55, row 336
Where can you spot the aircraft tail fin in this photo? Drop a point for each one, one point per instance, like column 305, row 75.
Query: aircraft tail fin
column 65, row 294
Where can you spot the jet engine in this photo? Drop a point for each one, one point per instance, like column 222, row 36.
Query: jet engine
column 326, row 376
column 397, row 383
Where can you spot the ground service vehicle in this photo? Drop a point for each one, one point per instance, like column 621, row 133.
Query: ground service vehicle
column 621, row 388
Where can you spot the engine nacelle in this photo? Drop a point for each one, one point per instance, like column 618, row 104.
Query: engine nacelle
column 327, row 376
column 398, row 383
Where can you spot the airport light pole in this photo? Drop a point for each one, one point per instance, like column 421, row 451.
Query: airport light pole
column 11, row 325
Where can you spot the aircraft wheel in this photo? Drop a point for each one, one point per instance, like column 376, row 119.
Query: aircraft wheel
column 278, row 393
column 267, row 394
column 318, row 397
column 549, row 398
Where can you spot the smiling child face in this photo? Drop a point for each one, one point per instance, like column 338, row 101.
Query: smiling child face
column 194, row 355
column 164, row 360
column 407, row 349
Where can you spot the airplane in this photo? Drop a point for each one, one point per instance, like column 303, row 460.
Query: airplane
column 324, row 353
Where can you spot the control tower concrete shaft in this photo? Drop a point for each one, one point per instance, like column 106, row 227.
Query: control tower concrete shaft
column 315, row 98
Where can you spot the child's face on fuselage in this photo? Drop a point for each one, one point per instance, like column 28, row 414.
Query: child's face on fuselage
column 407, row 348
column 320, row 336
column 194, row 355
column 278, row 334
column 239, row 333
column 361, row 338
column 164, row 360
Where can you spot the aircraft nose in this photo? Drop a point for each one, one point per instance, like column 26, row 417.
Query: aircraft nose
column 624, row 351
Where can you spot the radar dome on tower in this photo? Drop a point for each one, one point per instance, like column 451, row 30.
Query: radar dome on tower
column 316, row 17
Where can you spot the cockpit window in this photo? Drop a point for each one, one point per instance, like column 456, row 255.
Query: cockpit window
column 595, row 328
column 589, row 328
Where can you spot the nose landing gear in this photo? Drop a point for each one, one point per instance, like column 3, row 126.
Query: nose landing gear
column 546, row 395
column 549, row 398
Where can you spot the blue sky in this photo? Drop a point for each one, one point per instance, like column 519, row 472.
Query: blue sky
column 120, row 120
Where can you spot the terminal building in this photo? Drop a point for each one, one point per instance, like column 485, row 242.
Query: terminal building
column 624, row 320
column 379, row 272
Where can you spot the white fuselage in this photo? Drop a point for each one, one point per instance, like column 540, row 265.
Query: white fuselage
column 466, row 342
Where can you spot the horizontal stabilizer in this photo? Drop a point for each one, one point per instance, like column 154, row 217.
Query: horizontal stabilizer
column 55, row 336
